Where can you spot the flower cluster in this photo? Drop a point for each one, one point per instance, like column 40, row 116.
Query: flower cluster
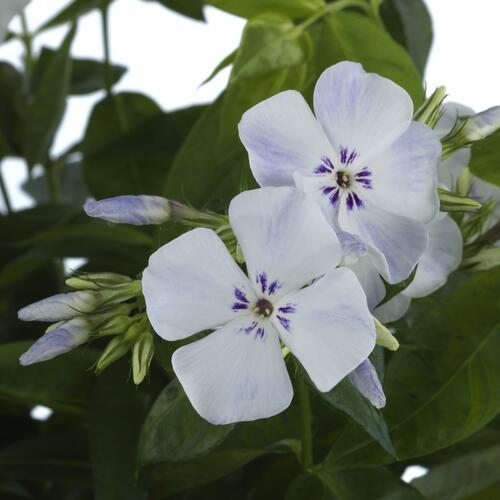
column 348, row 207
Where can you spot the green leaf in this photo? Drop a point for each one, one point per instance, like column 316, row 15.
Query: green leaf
column 358, row 38
column 446, row 386
column 347, row 398
column 129, row 144
column 190, row 8
column 227, row 61
column 295, row 9
column 410, row 24
column 174, row 432
column 87, row 75
column 63, row 382
column 117, row 411
column 72, row 12
column 391, row 290
column 12, row 106
column 485, row 160
column 357, row 484
column 47, row 106
column 461, row 477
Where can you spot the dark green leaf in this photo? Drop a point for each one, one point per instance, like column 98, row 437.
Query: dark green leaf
column 347, row 398
column 294, row 9
column 461, row 477
column 117, row 411
column 190, row 8
column 47, row 106
column 485, row 160
column 391, row 290
column 63, row 382
column 174, row 432
column 73, row 11
column 410, row 24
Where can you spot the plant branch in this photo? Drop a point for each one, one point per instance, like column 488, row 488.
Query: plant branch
column 108, row 80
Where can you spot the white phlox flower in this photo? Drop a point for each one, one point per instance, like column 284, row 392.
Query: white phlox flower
column 372, row 170
column 237, row 372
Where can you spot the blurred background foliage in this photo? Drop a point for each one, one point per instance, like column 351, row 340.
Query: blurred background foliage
column 108, row 439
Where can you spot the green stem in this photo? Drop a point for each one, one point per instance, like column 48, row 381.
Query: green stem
column 108, row 80
column 53, row 184
column 28, row 51
column 5, row 193
column 332, row 7
column 305, row 413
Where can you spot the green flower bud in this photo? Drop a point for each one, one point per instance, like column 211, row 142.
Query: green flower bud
column 142, row 354
column 430, row 111
column 384, row 337
column 97, row 281
column 451, row 202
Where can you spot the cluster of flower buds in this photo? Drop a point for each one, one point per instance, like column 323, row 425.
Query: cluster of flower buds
column 103, row 304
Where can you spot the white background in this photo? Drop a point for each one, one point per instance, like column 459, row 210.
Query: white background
column 169, row 55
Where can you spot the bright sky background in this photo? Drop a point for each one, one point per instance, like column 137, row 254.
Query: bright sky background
column 169, row 55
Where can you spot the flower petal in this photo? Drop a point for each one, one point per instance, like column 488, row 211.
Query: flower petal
column 396, row 242
column 233, row 376
column 283, row 234
column 282, row 136
column 408, row 165
column 370, row 281
column 442, row 256
column 330, row 330
column 366, row 381
column 359, row 110
column 191, row 284
column 393, row 309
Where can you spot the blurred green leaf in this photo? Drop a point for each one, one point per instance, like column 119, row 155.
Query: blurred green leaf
column 8, row 9
column 12, row 106
column 190, row 8
column 410, row 24
column 117, row 411
column 63, row 382
column 72, row 12
column 447, row 385
column 461, row 477
column 295, row 9
column 87, row 75
column 356, row 484
column 485, row 160
column 174, row 432
column 346, row 398
column 129, row 145
column 46, row 109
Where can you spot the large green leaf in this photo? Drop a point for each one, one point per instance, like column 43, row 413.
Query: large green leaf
column 117, row 411
column 87, row 75
column 64, row 382
column 295, row 9
column 447, row 385
column 48, row 103
column 485, row 160
column 347, row 398
column 129, row 145
column 461, row 477
column 190, row 8
column 174, row 432
column 410, row 24
column 357, row 484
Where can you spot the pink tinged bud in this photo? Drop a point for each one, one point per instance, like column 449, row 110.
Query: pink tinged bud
column 482, row 125
column 58, row 340
column 59, row 307
column 138, row 210
column 366, row 381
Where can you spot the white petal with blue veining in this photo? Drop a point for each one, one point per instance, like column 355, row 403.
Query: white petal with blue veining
column 393, row 309
column 230, row 376
column 189, row 285
column 330, row 330
column 366, row 381
column 283, row 234
column 370, row 281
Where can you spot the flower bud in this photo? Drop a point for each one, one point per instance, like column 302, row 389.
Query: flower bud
column 62, row 306
column 115, row 325
column 352, row 248
column 97, row 281
column 384, row 337
column 58, row 340
column 366, row 381
column 430, row 111
column 142, row 354
column 482, row 124
column 451, row 202
column 138, row 210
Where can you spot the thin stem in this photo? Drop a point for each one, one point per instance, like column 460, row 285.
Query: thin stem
column 305, row 413
column 28, row 51
column 108, row 79
column 5, row 193
column 53, row 184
